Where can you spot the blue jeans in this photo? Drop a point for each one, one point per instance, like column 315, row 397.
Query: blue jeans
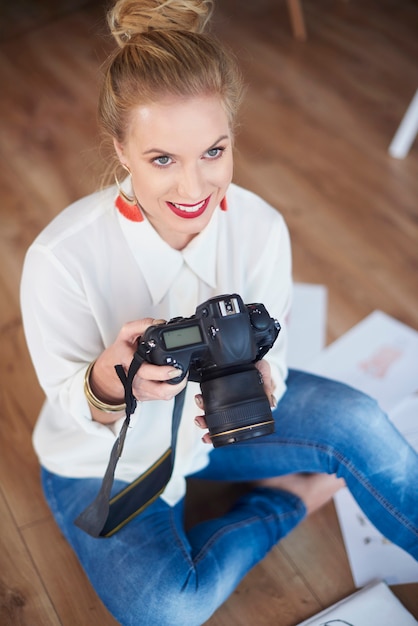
column 154, row 573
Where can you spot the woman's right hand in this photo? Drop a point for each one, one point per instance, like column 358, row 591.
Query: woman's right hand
column 150, row 382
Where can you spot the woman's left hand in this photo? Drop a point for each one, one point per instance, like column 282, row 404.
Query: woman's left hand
column 269, row 385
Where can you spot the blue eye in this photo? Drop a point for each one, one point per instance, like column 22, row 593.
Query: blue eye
column 214, row 153
column 162, row 161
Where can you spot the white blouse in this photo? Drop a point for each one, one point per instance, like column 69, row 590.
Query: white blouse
column 92, row 270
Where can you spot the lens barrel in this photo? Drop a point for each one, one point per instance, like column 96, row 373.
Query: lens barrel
column 236, row 405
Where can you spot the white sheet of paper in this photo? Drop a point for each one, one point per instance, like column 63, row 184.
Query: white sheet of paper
column 370, row 555
column 307, row 324
column 375, row 605
column 378, row 356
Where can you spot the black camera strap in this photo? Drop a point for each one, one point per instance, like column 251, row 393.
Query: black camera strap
column 105, row 515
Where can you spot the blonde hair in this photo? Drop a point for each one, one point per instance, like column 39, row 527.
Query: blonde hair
column 163, row 51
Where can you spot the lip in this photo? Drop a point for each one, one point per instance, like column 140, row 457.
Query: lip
column 187, row 211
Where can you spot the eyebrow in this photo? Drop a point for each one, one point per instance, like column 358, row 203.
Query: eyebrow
column 165, row 153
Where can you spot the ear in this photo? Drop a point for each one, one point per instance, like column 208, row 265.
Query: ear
column 119, row 150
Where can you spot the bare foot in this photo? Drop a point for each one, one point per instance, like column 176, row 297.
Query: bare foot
column 314, row 489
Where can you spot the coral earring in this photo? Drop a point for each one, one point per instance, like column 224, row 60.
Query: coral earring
column 132, row 212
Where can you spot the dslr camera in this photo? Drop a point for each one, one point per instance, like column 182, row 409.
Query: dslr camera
column 218, row 347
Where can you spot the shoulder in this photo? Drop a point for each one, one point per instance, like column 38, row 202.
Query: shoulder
column 79, row 217
column 249, row 213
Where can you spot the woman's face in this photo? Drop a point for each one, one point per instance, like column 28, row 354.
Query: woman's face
column 179, row 152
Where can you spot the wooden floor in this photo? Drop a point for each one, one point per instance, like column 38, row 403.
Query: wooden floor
column 316, row 124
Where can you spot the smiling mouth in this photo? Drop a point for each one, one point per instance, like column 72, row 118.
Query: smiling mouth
column 188, row 211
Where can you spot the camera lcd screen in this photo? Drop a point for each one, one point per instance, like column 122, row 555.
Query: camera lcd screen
column 181, row 337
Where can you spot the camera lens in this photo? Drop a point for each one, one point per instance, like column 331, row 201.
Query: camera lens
column 236, row 406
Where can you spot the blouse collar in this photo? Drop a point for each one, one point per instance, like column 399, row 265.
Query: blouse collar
column 160, row 264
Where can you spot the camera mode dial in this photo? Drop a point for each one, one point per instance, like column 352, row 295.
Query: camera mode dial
column 260, row 319
column 149, row 345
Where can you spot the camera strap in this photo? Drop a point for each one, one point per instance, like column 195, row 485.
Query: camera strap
column 105, row 515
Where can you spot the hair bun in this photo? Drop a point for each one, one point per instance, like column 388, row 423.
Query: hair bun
column 130, row 18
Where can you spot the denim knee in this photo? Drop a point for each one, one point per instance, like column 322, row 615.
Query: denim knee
column 346, row 419
column 164, row 602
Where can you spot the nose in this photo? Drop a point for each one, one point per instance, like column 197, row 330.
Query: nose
column 190, row 183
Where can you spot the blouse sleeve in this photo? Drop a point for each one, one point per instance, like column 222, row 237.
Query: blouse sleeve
column 61, row 333
column 270, row 282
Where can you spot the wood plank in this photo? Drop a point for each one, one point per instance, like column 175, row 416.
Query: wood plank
column 21, row 399
column 272, row 593
column 50, row 105
column 408, row 595
column 21, row 16
column 71, row 593
column 318, row 540
column 24, row 600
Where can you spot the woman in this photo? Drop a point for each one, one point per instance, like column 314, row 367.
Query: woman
column 173, row 234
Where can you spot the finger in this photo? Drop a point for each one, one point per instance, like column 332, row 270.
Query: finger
column 144, row 390
column 131, row 331
column 162, row 373
column 158, row 322
column 199, row 401
column 268, row 383
column 264, row 369
column 200, row 421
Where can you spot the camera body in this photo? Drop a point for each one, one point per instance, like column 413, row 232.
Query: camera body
column 218, row 347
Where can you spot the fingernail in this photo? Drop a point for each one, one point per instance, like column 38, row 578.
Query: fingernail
column 273, row 401
column 199, row 400
column 174, row 373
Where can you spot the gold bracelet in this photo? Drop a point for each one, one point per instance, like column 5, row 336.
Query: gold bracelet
column 94, row 401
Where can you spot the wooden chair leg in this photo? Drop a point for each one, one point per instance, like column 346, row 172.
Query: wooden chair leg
column 407, row 131
column 297, row 19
